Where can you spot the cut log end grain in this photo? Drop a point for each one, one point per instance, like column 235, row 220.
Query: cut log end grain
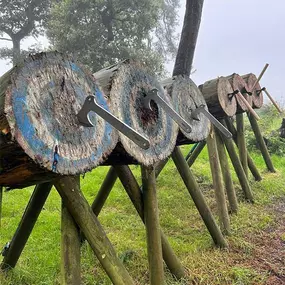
column 239, row 84
column 126, row 85
column 186, row 97
column 216, row 93
column 40, row 99
column 257, row 97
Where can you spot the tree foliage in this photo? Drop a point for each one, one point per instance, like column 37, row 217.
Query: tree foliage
column 101, row 33
column 20, row 19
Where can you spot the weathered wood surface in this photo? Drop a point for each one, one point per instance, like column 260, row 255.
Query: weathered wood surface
column 126, row 84
column 40, row 133
column 257, row 97
column 217, row 95
column 186, row 97
column 239, row 84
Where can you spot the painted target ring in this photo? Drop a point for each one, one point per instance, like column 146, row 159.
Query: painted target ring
column 130, row 84
column 41, row 104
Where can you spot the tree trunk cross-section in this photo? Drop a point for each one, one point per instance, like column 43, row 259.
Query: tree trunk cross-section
column 217, row 95
column 126, row 85
column 257, row 97
column 40, row 132
column 239, row 84
column 186, row 97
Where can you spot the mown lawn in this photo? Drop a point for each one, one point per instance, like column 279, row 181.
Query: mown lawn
column 40, row 261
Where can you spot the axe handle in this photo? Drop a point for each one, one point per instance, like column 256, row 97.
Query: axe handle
column 248, row 106
column 273, row 101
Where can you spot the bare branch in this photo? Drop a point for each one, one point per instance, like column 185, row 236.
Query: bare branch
column 5, row 39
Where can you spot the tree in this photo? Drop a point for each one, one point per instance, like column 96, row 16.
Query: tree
column 101, row 33
column 18, row 20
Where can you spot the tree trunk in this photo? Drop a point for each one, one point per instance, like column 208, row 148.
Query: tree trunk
column 189, row 35
column 16, row 50
column 217, row 95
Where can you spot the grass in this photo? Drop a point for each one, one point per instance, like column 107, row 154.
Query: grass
column 205, row 264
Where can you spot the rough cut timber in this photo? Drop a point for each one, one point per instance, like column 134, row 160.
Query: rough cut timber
column 126, row 84
column 257, row 96
column 239, row 84
column 186, row 97
column 40, row 133
column 217, row 95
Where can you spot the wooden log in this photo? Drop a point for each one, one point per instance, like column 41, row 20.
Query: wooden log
column 218, row 183
column 126, row 84
column 261, row 143
column 241, row 143
column 251, row 165
column 217, row 95
column 257, row 97
column 26, row 225
column 226, row 172
column 238, row 169
column 239, row 84
column 186, row 97
column 154, row 247
column 70, row 249
column 83, row 215
column 135, row 194
column 198, row 198
column 195, row 154
column 40, row 132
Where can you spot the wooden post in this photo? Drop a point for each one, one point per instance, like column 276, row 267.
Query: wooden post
column 218, row 183
column 152, row 226
column 225, row 168
column 198, row 198
column 195, row 153
column 135, row 194
column 261, row 143
column 251, row 165
column 241, row 142
column 239, row 169
column 26, row 225
column 93, row 231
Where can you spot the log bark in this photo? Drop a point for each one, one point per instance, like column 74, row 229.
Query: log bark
column 126, row 84
column 189, row 35
column 239, row 84
column 257, row 97
column 217, row 95
column 40, row 133
column 186, row 97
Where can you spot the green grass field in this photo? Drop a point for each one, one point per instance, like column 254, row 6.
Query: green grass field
column 40, row 261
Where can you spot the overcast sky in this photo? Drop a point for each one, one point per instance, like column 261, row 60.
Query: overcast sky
column 236, row 36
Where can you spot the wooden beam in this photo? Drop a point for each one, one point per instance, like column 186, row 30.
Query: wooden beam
column 218, row 183
column 151, row 217
column 198, row 198
column 134, row 192
column 82, row 213
column 26, row 225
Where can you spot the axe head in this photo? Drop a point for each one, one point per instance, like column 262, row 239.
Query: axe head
column 83, row 114
column 149, row 96
column 196, row 112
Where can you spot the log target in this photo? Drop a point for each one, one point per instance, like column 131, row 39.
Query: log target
column 39, row 102
column 216, row 93
column 257, row 97
column 186, row 97
column 238, row 83
column 126, row 84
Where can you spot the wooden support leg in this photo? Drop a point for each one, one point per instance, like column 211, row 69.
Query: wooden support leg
column 1, row 203
column 70, row 248
column 93, row 231
column 196, row 153
column 261, row 143
column 241, row 143
column 152, row 226
column 135, row 194
column 251, row 165
column 26, row 225
column 198, row 198
column 218, row 183
column 225, row 168
column 239, row 169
